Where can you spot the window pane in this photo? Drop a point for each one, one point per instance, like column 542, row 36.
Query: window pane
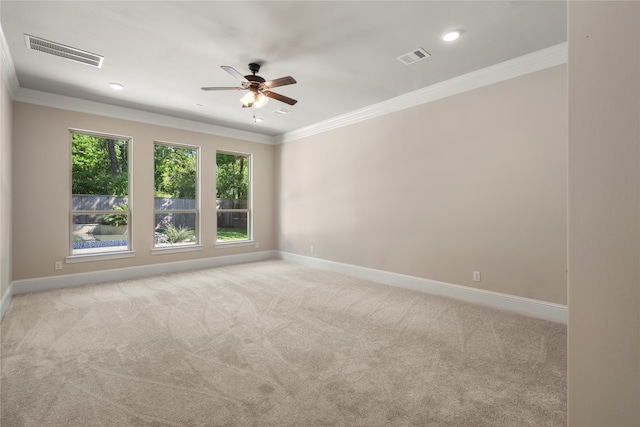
column 169, row 204
column 86, row 202
column 232, row 194
column 175, row 229
column 97, row 234
column 233, row 226
column 175, row 180
column 100, row 166
column 175, row 172
column 99, row 182
column 232, row 173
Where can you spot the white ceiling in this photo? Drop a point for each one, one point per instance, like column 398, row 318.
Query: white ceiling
column 342, row 53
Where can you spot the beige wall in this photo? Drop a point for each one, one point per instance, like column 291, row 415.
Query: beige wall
column 41, row 178
column 476, row 178
column 604, row 214
column 476, row 181
column 5, row 188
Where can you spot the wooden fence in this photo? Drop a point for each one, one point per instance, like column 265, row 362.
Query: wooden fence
column 83, row 202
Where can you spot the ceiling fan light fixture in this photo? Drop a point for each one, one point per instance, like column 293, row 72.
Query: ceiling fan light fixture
column 261, row 101
column 254, row 99
column 248, row 99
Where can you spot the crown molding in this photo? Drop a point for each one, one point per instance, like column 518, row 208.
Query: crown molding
column 107, row 110
column 46, row 99
column 536, row 61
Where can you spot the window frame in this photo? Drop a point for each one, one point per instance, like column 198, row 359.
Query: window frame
column 248, row 210
column 197, row 245
column 101, row 255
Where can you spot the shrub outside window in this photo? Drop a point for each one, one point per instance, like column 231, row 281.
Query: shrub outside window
column 176, row 188
column 100, row 189
column 233, row 197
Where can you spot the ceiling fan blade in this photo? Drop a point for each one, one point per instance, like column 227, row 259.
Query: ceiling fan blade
column 282, row 81
column 235, row 73
column 222, row 88
column 280, row 98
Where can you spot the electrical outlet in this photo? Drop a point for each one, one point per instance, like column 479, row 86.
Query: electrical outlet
column 257, row 245
column 58, row 265
column 476, row 276
column 311, row 249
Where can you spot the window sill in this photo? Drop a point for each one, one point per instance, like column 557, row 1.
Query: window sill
column 71, row 259
column 234, row 244
column 175, row 249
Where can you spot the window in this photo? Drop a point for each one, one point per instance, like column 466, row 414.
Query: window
column 233, row 198
column 176, row 190
column 100, row 208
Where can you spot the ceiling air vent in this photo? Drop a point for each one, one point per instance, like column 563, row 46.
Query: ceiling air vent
column 413, row 56
column 57, row 49
column 282, row 111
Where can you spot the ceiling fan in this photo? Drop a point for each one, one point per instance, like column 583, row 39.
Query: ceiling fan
column 259, row 90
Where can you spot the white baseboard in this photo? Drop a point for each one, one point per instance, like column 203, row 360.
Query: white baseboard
column 79, row 279
column 526, row 306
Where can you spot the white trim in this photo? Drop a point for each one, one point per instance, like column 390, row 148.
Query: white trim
column 536, row 61
column 79, row 279
column 526, row 306
column 233, row 243
column 99, row 256
column 6, row 301
column 107, row 110
column 175, row 249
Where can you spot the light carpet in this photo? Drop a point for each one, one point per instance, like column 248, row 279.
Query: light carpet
column 274, row 344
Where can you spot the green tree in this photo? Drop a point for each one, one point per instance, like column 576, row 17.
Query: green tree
column 99, row 165
column 231, row 176
column 175, row 172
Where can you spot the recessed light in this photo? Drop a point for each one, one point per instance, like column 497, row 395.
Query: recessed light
column 116, row 86
column 451, row 35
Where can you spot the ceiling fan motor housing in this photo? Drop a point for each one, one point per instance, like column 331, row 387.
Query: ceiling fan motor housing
column 255, row 81
column 254, row 67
